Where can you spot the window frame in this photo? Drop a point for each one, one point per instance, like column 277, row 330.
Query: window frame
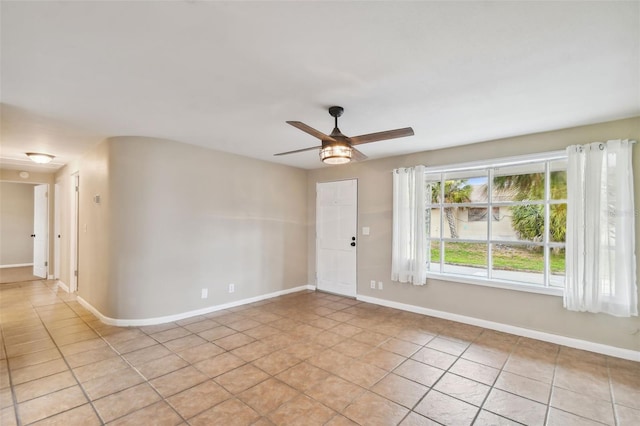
column 487, row 167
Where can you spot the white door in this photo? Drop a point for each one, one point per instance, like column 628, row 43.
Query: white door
column 336, row 232
column 56, row 232
column 73, row 233
column 40, row 230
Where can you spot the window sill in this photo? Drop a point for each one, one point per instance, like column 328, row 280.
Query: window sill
column 508, row 285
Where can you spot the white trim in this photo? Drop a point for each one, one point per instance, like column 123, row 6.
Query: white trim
column 496, row 283
column 50, row 277
column 188, row 314
column 62, row 286
column 519, row 331
column 498, row 162
column 16, row 265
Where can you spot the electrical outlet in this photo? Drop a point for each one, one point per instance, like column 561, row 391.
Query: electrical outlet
column 232, row 288
column 373, row 284
column 379, row 285
column 205, row 293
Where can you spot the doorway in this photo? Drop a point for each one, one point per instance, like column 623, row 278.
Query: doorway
column 336, row 232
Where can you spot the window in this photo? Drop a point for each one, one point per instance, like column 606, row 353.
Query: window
column 521, row 244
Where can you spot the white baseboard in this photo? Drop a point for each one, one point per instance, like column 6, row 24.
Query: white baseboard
column 188, row 314
column 16, row 265
column 63, row 286
column 520, row 331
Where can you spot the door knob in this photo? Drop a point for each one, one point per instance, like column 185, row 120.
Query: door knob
column 33, row 235
column 353, row 238
column 353, row 244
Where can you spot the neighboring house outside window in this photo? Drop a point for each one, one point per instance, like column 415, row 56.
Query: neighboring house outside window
column 522, row 246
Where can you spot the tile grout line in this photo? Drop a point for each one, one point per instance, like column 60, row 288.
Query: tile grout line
column 11, row 386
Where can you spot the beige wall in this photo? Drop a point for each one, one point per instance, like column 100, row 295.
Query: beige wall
column 35, row 178
column 174, row 219
column 16, row 223
column 528, row 310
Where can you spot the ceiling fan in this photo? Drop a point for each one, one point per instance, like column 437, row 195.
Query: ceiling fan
column 337, row 148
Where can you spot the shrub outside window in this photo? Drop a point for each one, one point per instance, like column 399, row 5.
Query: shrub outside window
column 522, row 243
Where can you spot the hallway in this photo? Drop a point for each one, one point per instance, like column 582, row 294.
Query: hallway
column 305, row 358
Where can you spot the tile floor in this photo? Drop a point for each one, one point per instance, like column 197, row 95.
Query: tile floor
column 302, row 359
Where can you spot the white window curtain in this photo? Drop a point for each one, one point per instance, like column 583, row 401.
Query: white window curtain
column 409, row 251
column 601, row 261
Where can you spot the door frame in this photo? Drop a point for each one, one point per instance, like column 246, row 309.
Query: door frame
column 47, row 219
column 73, row 232
column 355, row 232
column 56, row 231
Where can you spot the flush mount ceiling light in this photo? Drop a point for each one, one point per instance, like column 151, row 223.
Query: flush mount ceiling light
column 40, row 158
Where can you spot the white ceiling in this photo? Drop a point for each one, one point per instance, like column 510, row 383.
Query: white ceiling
column 226, row 75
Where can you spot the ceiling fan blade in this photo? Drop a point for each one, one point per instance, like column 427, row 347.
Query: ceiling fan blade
column 357, row 155
column 310, row 130
column 381, row 136
column 298, row 150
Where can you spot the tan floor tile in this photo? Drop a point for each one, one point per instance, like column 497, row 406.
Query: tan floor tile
column 304, row 350
column 525, row 387
column 302, row 410
column 335, row 392
column 434, row 358
column 219, row 364
column 200, row 326
column 43, row 386
column 279, row 341
column 383, row 359
column 582, row 405
column 75, row 337
column 493, row 357
column 34, row 358
column 352, row 348
column 243, row 324
column 487, row 418
column 627, row 416
column 268, row 395
column 234, row 341
column 346, row 330
column 30, row 336
column 474, row 371
column 330, row 360
column 370, row 338
column 372, row 409
column 361, row 373
column 38, row 371
column 170, row 334
column 99, row 369
column 8, row 417
column 415, row 419
column 200, row 353
column 626, row 387
column 83, row 415
column 86, row 345
column 183, row 343
column 150, row 353
column 134, row 344
column 30, row 347
column 127, row 401
column 585, row 378
column 199, row 398
column 161, row 366
column 447, row 346
column 400, row 347
column 419, row 372
column 515, row 407
column 328, row 339
column 446, row 410
column 6, row 398
column 339, row 420
column 253, row 351
column 50, row 404
column 261, row 331
column 230, row 412
column 178, row 381
column 400, row 390
column 151, row 329
column 241, row 378
column 528, row 366
column 415, row 336
column 276, row 362
column 88, row 357
column 303, row 376
column 106, row 385
column 161, row 413
column 216, row 333
column 562, row 418
column 462, row 388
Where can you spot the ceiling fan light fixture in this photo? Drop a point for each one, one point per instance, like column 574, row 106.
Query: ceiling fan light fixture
column 336, row 154
column 39, row 158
